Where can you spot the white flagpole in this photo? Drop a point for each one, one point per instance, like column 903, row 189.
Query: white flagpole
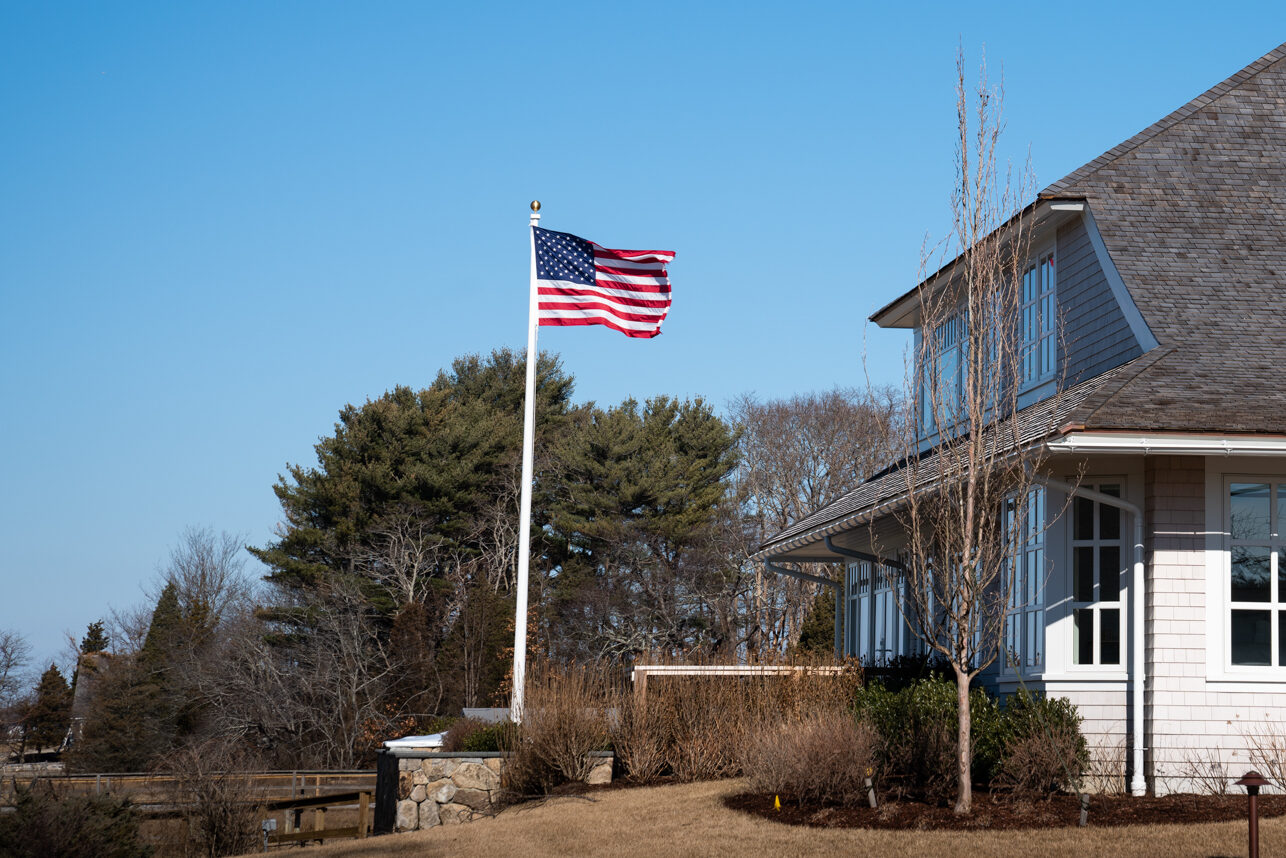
column 524, row 515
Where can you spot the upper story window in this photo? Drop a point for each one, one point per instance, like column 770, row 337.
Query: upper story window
column 942, row 375
column 1256, row 591
column 1038, row 319
column 944, row 351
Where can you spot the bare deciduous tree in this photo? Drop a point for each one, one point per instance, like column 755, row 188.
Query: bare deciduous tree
column 797, row 456
column 404, row 555
column 969, row 463
column 208, row 572
column 15, row 654
column 317, row 698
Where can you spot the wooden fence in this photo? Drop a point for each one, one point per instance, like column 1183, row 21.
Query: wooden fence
column 294, row 830
column 288, row 795
column 157, row 789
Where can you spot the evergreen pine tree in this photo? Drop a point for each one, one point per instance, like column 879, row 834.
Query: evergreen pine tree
column 817, row 632
column 95, row 639
column 50, row 714
column 133, row 714
column 165, row 631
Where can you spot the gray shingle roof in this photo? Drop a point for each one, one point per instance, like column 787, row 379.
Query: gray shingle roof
column 1193, row 213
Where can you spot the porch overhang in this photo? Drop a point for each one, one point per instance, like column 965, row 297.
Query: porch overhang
column 810, row 546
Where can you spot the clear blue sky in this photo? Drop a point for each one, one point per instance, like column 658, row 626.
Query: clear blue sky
column 220, row 222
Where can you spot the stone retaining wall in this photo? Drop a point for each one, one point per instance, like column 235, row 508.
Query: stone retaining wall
column 440, row 788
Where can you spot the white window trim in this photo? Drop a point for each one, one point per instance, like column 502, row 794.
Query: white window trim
column 1122, row 603
column 1049, row 249
column 1058, row 616
column 1027, row 608
column 1218, row 637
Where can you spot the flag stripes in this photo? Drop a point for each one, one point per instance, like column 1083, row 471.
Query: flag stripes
column 581, row 283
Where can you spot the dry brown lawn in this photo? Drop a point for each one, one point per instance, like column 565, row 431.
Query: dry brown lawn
column 690, row 820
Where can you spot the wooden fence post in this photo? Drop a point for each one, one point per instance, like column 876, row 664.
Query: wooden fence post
column 363, row 814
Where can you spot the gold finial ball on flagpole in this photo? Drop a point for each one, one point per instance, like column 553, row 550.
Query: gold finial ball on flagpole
column 535, row 205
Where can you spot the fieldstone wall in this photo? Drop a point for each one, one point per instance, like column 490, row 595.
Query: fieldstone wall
column 439, row 788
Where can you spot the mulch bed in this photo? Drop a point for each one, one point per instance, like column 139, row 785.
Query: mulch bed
column 1004, row 813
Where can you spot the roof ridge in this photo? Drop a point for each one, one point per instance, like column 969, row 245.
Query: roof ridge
column 1167, row 122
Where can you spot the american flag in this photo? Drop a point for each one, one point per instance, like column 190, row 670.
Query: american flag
column 581, row 283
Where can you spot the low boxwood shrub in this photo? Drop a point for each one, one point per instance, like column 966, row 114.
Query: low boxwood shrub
column 1042, row 748
column 918, row 727
column 460, row 732
column 489, row 737
column 1029, row 745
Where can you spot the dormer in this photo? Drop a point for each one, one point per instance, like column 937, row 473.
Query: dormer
column 1073, row 317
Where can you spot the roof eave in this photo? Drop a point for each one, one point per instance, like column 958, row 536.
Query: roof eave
column 902, row 312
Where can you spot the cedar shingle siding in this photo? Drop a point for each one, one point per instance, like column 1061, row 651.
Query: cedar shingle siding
column 1096, row 335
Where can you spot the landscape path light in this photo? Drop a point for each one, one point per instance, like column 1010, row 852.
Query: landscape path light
column 1252, row 781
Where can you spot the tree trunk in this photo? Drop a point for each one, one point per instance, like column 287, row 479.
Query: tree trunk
column 964, row 749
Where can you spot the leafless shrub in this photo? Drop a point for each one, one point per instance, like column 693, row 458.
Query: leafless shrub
column 564, row 720
column 693, row 727
column 921, row 763
column 1041, row 763
column 638, row 736
column 706, row 720
column 217, row 798
column 525, row 774
column 1267, row 745
column 1105, row 774
column 824, row 758
column 1207, row 771
column 565, row 717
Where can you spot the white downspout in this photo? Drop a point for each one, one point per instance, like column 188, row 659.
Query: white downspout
column 1138, row 784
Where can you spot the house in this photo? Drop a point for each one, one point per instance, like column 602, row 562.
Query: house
column 1161, row 607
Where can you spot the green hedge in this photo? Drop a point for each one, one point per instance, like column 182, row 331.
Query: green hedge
column 918, row 728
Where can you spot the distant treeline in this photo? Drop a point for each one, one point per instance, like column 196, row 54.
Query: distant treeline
column 390, row 596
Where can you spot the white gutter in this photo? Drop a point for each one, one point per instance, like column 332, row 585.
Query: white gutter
column 1138, row 784
column 1169, row 444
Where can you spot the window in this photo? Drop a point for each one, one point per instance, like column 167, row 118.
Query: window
column 1256, row 593
column 874, row 629
column 944, row 355
column 1039, row 320
column 942, row 375
column 1026, row 571
column 1098, row 557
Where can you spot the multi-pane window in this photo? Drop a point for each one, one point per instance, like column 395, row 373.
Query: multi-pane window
column 942, row 375
column 1025, row 622
column 874, row 628
column 1256, row 593
column 1098, row 557
column 1039, row 320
